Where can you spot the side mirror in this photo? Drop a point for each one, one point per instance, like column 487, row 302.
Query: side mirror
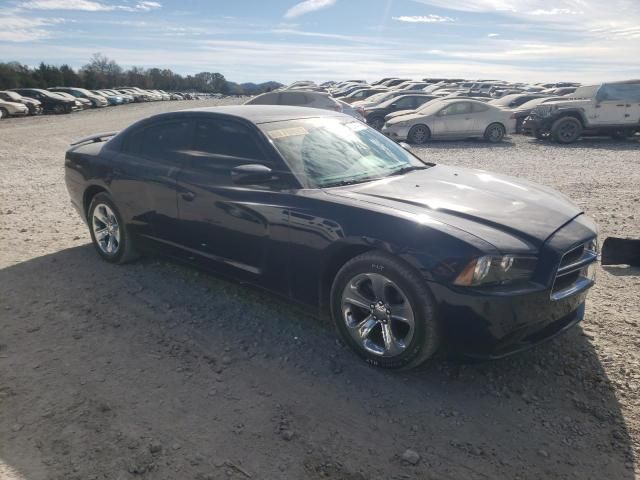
column 251, row 174
column 394, row 105
column 405, row 145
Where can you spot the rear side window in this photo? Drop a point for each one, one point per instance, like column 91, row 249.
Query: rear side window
column 629, row 92
column 161, row 141
column 293, row 98
column 264, row 99
column 405, row 102
column 478, row 107
column 227, row 138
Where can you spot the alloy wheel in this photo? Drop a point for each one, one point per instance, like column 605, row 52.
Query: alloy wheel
column 106, row 229
column 378, row 314
column 419, row 135
column 568, row 131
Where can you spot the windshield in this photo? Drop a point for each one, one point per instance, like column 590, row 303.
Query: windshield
column 332, row 151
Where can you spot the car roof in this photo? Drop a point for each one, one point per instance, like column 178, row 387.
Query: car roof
column 267, row 113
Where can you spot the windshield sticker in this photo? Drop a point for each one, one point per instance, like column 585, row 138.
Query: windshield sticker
column 287, row 132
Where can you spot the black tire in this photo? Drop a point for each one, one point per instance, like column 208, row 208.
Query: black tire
column 495, row 133
column 566, row 130
column 622, row 134
column 125, row 251
column 425, row 337
column 419, row 134
column 58, row 109
column 4, row 113
column 376, row 122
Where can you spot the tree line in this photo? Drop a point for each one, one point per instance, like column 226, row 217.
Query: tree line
column 103, row 72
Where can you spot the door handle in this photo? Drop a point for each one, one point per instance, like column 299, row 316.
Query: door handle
column 188, row 196
column 620, row 105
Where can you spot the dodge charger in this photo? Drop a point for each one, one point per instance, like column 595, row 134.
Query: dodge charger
column 407, row 257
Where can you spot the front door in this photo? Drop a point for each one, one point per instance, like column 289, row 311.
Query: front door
column 240, row 230
column 454, row 120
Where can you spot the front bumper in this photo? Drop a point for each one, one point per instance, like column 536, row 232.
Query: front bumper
column 397, row 133
column 493, row 323
column 533, row 124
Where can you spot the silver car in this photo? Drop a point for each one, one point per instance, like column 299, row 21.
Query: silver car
column 450, row 119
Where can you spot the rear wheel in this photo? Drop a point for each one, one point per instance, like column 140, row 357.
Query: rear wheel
column 4, row 113
column 384, row 311
column 419, row 134
column 566, row 130
column 108, row 232
column 494, row 133
column 59, row 109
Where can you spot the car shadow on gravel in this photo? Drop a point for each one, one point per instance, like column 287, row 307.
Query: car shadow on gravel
column 161, row 370
column 468, row 143
column 595, row 143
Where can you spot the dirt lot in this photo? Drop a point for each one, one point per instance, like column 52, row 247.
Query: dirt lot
column 154, row 370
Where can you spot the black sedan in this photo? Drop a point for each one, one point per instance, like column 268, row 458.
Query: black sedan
column 408, row 257
column 51, row 103
column 375, row 115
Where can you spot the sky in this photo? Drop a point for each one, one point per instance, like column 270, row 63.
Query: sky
column 285, row 40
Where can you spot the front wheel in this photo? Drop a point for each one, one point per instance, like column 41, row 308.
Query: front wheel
column 566, row 130
column 494, row 133
column 109, row 234
column 419, row 134
column 384, row 311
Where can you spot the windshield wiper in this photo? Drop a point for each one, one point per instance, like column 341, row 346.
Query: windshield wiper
column 411, row 168
column 342, row 183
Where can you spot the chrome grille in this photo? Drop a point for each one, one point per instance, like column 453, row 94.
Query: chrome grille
column 573, row 274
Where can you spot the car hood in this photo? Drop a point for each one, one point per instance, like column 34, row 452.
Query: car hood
column 403, row 116
column 31, row 101
column 482, row 203
column 399, row 113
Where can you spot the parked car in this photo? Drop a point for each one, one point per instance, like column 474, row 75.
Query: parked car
column 609, row 109
column 408, row 257
column 379, row 98
column 375, row 116
column 362, row 94
column 293, row 98
column 51, row 103
column 524, row 110
column 13, row 109
column 81, row 103
column 452, row 118
column 112, row 99
column 34, row 107
column 351, row 110
column 515, row 100
column 97, row 101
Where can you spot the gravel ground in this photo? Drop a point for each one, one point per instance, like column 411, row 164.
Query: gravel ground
column 154, row 370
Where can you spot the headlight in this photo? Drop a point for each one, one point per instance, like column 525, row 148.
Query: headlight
column 496, row 270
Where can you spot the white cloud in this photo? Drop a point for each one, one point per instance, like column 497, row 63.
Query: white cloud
column 87, row 6
column 423, row 19
column 493, row 35
column 554, row 11
column 307, row 6
column 84, row 5
column 14, row 28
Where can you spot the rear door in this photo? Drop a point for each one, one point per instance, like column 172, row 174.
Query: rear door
column 237, row 229
column 479, row 118
column 143, row 176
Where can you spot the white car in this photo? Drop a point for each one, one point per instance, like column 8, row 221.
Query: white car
column 298, row 99
column 13, row 109
column 449, row 119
